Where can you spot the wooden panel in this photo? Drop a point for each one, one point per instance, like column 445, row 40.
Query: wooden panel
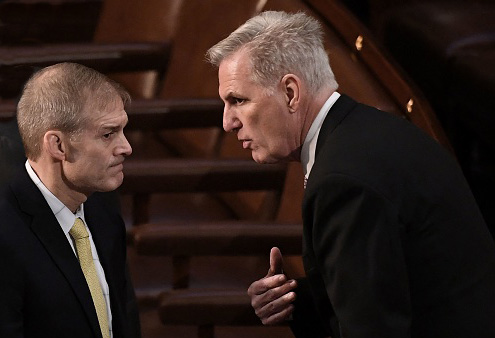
column 230, row 238
column 159, row 114
column 194, row 175
column 18, row 63
column 207, row 307
column 201, row 25
column 130, row 21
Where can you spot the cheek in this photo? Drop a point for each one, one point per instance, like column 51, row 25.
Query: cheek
column 261, row 120
column 92, row 166
column 273, row 127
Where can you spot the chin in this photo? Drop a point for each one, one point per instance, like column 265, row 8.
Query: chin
column 264, row 159
column 271, row 158
column 112, row 183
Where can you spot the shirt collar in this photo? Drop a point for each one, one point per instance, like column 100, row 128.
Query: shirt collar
column 309, row 146
column 64, row 216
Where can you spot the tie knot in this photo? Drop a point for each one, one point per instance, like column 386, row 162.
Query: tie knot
column 78, row 230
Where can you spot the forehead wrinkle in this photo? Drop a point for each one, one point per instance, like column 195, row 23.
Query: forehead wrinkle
column 118, row 119
column 108, row 118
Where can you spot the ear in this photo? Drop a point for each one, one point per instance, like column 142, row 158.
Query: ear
column 54, row 144
column 292, row 87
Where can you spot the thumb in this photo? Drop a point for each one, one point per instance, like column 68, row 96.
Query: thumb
column 276, row 262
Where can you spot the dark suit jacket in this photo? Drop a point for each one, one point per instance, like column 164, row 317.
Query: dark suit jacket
column 11, row 150
column 394, row 244
column 43, row 292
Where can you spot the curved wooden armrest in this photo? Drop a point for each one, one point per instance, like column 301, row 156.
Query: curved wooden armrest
column 412, row 103
column 225, row 238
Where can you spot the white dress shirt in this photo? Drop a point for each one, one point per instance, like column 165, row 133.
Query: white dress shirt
column 66, row 220
column 309, row 146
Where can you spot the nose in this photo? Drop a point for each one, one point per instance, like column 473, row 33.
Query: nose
column 230, row 121
column 125, row 148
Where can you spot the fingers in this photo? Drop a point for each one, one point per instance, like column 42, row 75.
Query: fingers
column 278, row 316
column 266, row 284
column 260, row 298
column 271, row 298
column 276, row 262
column 277, row 310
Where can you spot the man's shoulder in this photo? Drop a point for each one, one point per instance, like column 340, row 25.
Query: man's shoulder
column 19, row 192
column 104, row 200
column 103, row 205
column 12, row 219
column 8, row 200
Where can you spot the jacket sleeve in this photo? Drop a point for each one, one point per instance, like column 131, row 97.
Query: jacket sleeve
column 11, row 294
column 357, row 242
column 305, row 323
column 132, row 311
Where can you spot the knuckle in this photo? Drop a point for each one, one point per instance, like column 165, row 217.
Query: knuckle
column 271, row 307
column 272, row 295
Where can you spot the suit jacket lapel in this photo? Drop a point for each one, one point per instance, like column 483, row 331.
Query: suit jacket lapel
column 106, row 237
column 47, row 229
column 103, row 233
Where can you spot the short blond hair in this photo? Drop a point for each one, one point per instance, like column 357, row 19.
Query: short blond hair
column 56, row 97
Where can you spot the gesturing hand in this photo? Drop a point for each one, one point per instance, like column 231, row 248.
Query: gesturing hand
column 272, row 296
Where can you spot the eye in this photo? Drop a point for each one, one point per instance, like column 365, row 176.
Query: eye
column 107, row 135
column 236, row 100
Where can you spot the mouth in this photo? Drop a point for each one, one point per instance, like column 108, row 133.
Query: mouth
column 246, row 143
column 118, row 165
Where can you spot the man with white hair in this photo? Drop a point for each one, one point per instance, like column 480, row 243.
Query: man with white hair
column 393, row 242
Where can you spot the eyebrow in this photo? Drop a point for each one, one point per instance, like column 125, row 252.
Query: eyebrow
column 229, row 95
column 232, row 94
column 110, row 127
column 113, row 126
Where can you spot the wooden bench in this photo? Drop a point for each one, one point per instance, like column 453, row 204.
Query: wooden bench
column 209, row 307
column 145, row 177
column 18, row 63
column 157, row 114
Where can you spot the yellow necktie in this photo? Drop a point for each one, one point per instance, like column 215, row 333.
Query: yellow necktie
column 83, row 248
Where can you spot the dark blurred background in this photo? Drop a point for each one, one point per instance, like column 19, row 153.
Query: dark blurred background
column 448, row 49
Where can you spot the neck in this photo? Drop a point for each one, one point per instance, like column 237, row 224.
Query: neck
column 50, row 174
column 311, row 109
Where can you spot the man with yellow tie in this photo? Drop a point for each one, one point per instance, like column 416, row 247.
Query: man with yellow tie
column 62, row 245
